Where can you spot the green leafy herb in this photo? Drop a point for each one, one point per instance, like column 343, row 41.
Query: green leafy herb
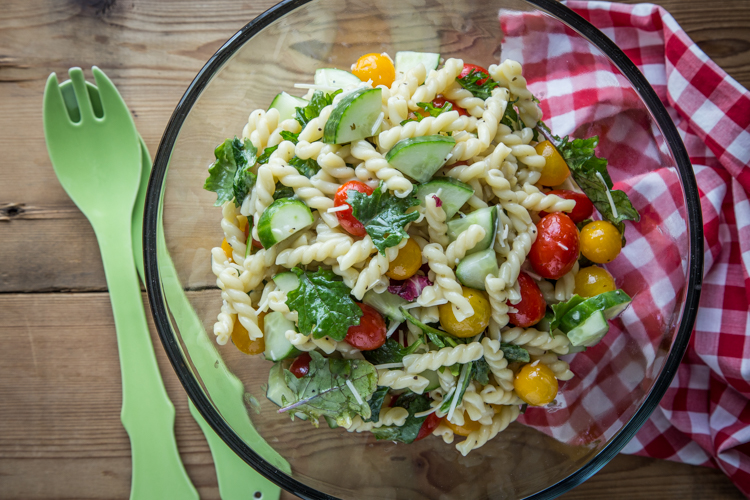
column 308, row 167
column 407, row 433
column 390, row 352
column 510, row 117
column 455, row 369
column 467, row 372
column 431, row 110
column 437, row 337
column 266, row 155
column 587, row 168
column 229, row 175
column 325, row 392
column 324, row 304
column 383, row 215
column 289, row 136
column 471, row 83
column 514, row 353
column 561, row 309
column 482, row 371
column 376, row 403
column 282, row 191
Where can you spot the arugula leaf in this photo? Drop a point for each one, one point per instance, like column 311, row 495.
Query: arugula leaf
column 390, row 352
column 324, row 390
column 514, row 353
column 407, row 433
column 289, row 136
column 431, row 110
column 266, row 155
column 561, row 309
column 324, row 304
column 282, row 191
column 231, row 156
column 318, row 101
column 376, row 403
column 437, row 337
column 308, row 167
column 468, row 372
column 471, row 83
column 510, row 117
column 543, row 130
column 383, row 215
column 585, row 165
column 482, row 371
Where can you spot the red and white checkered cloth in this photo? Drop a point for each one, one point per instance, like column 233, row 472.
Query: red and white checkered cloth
column 704, row 418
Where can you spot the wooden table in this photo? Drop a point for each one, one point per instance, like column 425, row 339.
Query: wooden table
column 60, row 433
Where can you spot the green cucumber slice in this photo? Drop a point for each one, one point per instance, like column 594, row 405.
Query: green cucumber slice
column 590, row 332
column 355, row 117
column 453, row 193
column 609, row 303
column 472, row 270
column 275, row 326
column 336, row 78
column 285, row 105
column 432, row 376
column 277, row 387
column 281, row 219
column 386, row 303
column 286, row 282
column 485, row 217
column 406, row 60
column 420, row 157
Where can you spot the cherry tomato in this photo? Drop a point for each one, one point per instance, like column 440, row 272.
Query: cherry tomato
column 247, row 229
column 477, row 69
column 555, row 169
column 241, row 338
column 466, row 429
column 227, row 248
column 532, row 307
column 583, row 209
column 376, row 67
column 593, row 280
column 429, row 425
column 301, row 365
column 555, row 250
column 474, row 324
column 600, row 241
column 440, row 101
column 407, row 262
column 346, row 218
column 370, row 333
column 536, row 384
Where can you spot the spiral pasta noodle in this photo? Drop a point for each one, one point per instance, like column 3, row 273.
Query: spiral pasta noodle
column 447, row 356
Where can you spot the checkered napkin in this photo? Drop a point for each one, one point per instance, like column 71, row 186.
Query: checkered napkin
column 704, row 418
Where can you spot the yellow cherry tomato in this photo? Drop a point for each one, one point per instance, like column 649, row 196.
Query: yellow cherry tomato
column 600, row 241
column 376, row 67
column 227, row 248
column 466, row 429
column 407, row 262
column 474, row 324
column 536, row 384
column 593, row 280
column 241, row 339
column 555, row 169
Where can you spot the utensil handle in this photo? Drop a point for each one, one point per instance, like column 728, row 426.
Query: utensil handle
column 147, row 412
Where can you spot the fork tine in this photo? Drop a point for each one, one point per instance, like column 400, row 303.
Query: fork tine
column 82, row 93
column 55, row 114
column 112, row 101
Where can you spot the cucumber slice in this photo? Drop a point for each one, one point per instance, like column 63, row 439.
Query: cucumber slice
column 281, row 219
column 406, row 60
column 275, row 326
column 337, row 78
column 472, row 270
column 277, row 387
column 285, row 104
column 287, row 281
column 432, row 376
column 609, row 303
column 453, row 193
column 354, row 118
column 420, row 157
column 485, row 217
column 386, row 303
column 589, row 332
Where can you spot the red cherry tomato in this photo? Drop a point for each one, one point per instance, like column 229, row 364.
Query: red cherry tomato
column 583, row 209
column 532, row 307
column 477, row 69
column 429, row 425
column 301, row 365
column 370, row 333
column 556, row 247
column 440, row 101
column 346, row 218
column 256, row 243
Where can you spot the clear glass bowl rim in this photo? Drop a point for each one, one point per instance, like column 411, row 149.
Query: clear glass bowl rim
column 171, row 344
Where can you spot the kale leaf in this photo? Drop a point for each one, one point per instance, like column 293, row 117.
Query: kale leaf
column 586, row 168
column 383, row 215
column 482, row 371
column 514, row 353
column 324, row 304
column 324, row 390
column 390, row 352
column 407, row 433
column 376, row 403
column 471, row 83
column 229, row 176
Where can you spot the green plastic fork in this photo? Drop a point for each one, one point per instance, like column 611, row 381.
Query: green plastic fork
column 98, row 162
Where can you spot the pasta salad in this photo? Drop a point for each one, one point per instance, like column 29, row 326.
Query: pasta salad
column 412, row 249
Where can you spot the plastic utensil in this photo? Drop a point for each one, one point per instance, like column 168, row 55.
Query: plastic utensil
column 96, row 156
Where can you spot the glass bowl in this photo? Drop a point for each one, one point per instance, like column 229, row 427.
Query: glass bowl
column 618, row 383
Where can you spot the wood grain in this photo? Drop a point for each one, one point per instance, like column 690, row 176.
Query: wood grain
column 60, row 434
